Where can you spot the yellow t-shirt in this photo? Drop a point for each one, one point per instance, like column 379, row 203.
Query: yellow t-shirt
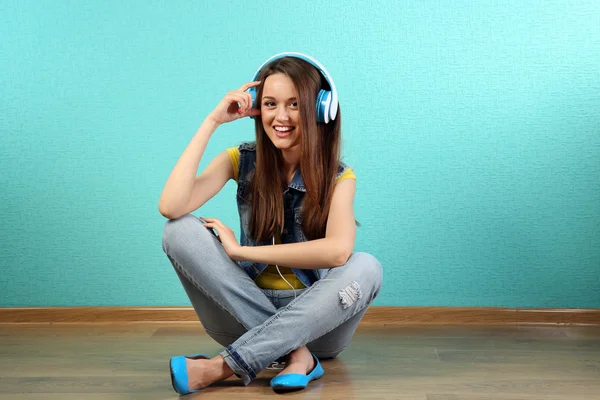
column 270, row 278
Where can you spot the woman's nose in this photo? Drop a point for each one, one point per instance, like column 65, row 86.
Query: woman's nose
column 282, row 114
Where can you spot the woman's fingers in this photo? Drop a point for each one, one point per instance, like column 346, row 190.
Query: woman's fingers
column 248, row 85
column 254, row 112
column 244, row 98
column 214, row 221
column 239, row 99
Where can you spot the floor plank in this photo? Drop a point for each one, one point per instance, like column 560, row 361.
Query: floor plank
column 422, row 362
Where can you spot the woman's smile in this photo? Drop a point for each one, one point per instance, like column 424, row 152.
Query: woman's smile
column 283, row 131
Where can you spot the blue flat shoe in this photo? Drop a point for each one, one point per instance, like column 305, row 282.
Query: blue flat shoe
column 179, row 376
column 297, row 381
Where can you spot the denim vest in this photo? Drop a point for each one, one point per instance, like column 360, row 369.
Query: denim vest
column 293, row 197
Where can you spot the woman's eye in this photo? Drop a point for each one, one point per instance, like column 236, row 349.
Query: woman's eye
column 269, row 103
column 295, row 104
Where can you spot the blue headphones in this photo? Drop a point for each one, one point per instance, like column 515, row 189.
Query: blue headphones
column 327, row 101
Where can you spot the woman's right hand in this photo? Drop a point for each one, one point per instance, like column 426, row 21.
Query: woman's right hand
column 235, row 105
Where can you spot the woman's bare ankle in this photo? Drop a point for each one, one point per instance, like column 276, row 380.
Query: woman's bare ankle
column 222, row 370
column 299, row 361
column 205, row 372
column 300, row 353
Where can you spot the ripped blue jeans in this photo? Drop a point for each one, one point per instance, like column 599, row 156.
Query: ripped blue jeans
column 258, row 326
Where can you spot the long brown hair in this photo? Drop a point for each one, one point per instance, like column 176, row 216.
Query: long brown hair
column 319, row 159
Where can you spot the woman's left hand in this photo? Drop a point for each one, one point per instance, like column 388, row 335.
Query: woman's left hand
column 226, row 237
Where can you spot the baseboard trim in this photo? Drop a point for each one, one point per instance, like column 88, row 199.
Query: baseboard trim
column 375, row 315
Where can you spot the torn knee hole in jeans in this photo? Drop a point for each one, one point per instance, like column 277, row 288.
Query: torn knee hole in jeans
column 350, row 294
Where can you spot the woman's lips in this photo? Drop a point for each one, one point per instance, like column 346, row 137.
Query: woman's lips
column 283, row 134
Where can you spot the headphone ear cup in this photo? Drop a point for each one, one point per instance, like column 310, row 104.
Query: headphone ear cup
column 252, row 92
column 323, row 105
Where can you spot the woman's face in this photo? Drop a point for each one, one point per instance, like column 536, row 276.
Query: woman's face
column 279, row 111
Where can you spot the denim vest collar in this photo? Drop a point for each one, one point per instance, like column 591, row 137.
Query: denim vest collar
column 297, row 182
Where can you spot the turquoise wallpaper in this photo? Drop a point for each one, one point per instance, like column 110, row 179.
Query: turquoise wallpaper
column 473, row 128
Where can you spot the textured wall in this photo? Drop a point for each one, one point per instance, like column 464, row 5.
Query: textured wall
column 473, row 128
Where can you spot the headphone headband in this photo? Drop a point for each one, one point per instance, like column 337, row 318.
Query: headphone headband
column 327, row 105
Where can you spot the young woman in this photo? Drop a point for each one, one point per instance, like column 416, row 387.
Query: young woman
column 293, row 288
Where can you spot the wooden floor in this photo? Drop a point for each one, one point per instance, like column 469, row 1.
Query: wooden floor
column 426, row 362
